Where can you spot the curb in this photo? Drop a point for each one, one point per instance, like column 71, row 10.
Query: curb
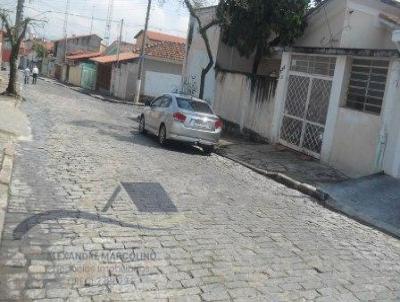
column 283, row 179
column 6, row 168
column 93, row 95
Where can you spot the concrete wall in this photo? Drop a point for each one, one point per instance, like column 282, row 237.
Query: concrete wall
column 249, row 107
column 74, row 77
column 196, row 56
column 390, row 126
column 354, row 148
column 87, row 43
column 119, row 81
column 364, row 143
column 123, row 82
column 349, row 24
column 323, row 33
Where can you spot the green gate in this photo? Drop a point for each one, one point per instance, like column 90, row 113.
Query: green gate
column 89, row 75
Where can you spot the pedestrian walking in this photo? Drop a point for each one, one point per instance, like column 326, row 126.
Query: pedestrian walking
column 27, row 74
column 35, row 74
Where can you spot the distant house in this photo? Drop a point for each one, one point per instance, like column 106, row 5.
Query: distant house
column 28, row 55
column 70, row 46
column 117, row 74
column 5, row 48
column 80, row 69
column 334, row 95
column 119, row 46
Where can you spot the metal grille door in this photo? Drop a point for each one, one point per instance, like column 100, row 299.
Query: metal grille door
column 305, row 112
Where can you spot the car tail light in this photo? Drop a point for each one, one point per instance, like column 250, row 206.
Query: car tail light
column 179, row 117
column 218, row 124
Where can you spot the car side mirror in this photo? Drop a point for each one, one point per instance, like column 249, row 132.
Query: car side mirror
column 147, row 103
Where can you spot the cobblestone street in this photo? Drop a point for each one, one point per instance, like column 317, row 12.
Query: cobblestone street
column 100, row 213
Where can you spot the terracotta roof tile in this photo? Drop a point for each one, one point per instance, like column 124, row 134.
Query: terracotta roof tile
column 169, row 51
column 158, row 36
column 82, row 56
column 126, row 56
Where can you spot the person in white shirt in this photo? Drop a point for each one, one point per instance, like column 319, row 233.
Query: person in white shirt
column 27, row 74
column 35, row 74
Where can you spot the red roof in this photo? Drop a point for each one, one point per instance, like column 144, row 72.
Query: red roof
column 83, row 56
column 158, row 36
column 169, row 51
column 126, row 56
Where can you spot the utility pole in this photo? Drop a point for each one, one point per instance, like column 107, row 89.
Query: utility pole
column 118, row 53
column 66, row 30
column 107, row 32
column 120, row 40
column 91, row 23
column 142, row 53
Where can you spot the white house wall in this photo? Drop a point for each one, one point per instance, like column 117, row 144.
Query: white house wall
column 123, row 82
column 349, row 24
column 354, row 148
column 325, row 26
column 74, row 76
column 363, row 28
column 196, row 58
column 237, row 102
column 158, row 83
column 391, row 122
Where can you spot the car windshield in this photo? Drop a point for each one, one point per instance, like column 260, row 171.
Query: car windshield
column 192, row 105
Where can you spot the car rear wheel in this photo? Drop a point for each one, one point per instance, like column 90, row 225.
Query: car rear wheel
column 142, row 125
column 162, row 135
column 208, row 149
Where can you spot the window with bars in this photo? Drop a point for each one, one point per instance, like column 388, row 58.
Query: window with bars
column 318, row 65
column 367, row 85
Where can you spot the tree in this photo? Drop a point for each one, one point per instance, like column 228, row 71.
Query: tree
column 192, row 5
column 40, row 49
column 15, row 34
column 203, row 32
column 254, row 27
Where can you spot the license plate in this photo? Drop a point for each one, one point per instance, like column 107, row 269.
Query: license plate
column 200, row 124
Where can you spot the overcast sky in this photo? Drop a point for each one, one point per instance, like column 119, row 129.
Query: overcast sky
column 172, row 17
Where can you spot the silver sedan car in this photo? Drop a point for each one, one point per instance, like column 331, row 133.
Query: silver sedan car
column 181, row 118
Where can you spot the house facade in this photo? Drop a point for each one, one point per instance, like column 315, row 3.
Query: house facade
column 334, row 94
column 74, row 45
column 162, row 70
column 5, row 48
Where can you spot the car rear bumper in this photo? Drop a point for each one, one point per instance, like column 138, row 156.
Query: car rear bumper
column 180, row 133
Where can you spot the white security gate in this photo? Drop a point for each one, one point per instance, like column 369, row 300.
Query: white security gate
column 307, row 102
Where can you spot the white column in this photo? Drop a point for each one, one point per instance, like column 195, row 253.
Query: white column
column 280, row 96
column 391, row 121
column 338, row 95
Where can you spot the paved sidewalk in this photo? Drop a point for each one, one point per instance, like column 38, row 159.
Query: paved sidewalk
column 279, row 159
column 373, row 200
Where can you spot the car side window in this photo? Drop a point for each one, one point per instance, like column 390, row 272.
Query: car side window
column 166, row 102
column 157, row 102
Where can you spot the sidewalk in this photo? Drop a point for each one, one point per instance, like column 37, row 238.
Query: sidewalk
column 14, row 126
column 372, row 200
column 292, row 168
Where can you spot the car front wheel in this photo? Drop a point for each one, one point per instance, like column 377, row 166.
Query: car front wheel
column 162, row 135
column 142, row 124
